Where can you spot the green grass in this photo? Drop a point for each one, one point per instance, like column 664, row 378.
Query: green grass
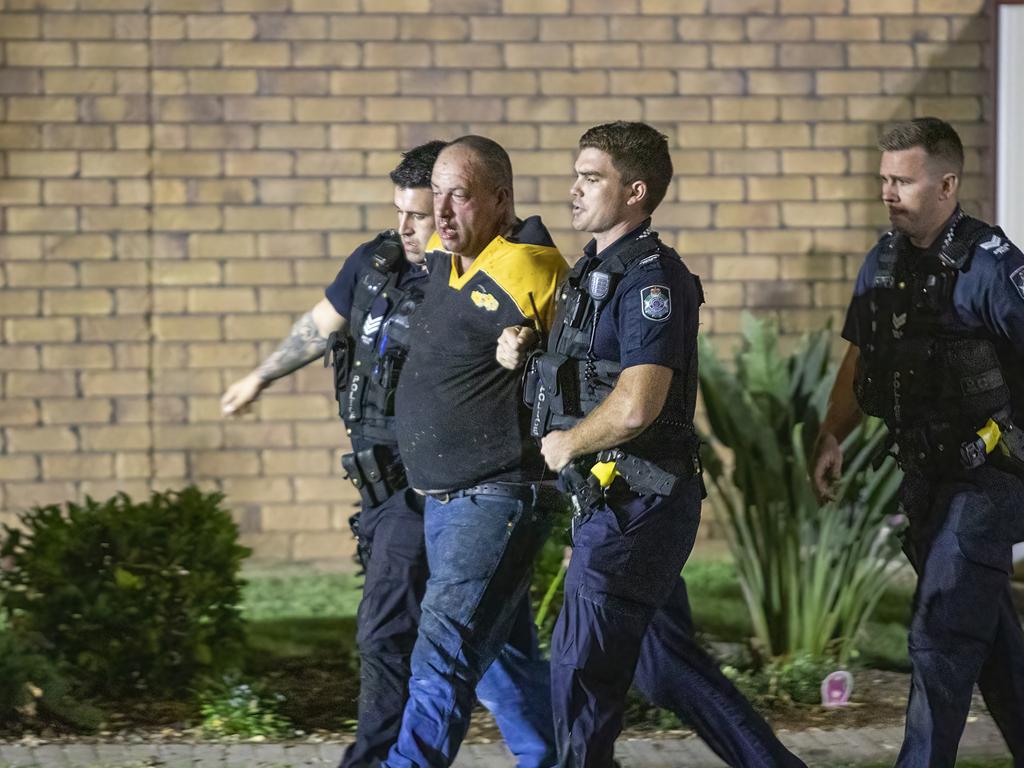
column 297, row 612
column 300, row 594
column 301, row 642
column 717, row 600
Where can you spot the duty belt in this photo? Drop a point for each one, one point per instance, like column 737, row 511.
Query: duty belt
column 586, row 488
column 934, row 448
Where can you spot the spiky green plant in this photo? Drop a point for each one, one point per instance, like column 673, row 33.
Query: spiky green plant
column 811, row 575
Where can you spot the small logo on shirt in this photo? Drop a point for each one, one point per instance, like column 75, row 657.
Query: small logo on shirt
column 656, row 302
column 1017, row 278
column 484, row 300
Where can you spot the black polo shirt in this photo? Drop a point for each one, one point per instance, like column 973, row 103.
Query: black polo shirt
column 460, row 416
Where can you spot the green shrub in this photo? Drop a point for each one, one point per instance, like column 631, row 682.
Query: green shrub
column 783, row 681
column 810, row 574
column 25, row 675
column 135, row 599
column 235, row 708
column 31, row 687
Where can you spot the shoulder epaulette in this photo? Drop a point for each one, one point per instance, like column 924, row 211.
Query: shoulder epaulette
column 647, row 245
column 962, row 239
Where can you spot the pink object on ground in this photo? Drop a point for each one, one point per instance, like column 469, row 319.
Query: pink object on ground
column 836, row 689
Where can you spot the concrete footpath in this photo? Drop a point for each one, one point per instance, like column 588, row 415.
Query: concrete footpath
column 845, row 746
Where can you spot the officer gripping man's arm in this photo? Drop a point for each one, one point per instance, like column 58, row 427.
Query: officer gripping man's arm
column 634, row 403
column 616, row 385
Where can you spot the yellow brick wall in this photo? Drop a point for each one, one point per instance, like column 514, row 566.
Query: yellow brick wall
column 180, row 178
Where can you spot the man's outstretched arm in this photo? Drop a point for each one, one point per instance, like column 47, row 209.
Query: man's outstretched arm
column 306, row 342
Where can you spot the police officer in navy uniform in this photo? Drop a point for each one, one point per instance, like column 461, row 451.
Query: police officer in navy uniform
column 616, row 387
column 936, row 332
column 363, row 326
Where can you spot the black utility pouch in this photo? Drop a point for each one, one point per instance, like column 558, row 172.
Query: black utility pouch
column 361, row 468
column 374, row 474
column 550, row 390
column 338, row 355
column 531, row 379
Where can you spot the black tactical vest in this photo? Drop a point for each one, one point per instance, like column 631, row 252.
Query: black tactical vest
column 930, row 377
column 369, row 359
column 570, row 381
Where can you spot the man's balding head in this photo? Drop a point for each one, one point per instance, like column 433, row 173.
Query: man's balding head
column 472, row 183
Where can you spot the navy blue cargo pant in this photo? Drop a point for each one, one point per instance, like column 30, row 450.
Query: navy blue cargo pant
column 389, row 614
column 964, row 628
column 626, row 618
column 388, row 621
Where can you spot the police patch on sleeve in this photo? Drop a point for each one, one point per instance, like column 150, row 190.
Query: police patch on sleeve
column 1017, row 278
column 656, row 302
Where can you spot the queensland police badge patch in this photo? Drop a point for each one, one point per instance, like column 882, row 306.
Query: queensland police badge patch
column 656, row 302
column 1017, row 278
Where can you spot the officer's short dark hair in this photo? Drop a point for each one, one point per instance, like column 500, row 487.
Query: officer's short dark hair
column 414, row 170
column 937, row 137
column 494, row 160
column 638, row 152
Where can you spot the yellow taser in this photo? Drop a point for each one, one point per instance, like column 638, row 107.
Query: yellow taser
column 605, row 472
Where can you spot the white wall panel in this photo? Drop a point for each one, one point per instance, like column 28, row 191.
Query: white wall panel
column 1010, row 157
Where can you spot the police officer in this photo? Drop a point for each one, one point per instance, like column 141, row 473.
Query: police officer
column 936, row 332
column 616, row 387
column 363, row 325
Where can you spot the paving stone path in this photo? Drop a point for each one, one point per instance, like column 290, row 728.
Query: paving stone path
column 817, row 747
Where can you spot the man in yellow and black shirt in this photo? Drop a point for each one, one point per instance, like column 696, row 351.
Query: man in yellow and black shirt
column 463, row 433
column 460, row 416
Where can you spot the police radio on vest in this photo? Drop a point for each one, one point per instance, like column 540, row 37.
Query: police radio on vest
column 599, row 285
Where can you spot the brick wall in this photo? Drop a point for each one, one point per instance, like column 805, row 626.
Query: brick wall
column 180, row 178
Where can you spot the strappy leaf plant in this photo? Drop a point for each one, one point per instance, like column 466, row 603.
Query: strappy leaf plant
column 811, row 575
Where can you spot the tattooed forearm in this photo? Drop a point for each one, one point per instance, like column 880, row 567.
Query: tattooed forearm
column 302, row 346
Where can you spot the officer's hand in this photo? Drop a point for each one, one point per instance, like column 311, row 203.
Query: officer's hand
column 514, row 344
column 239, row 396
column 557, row 449
column 827, row 467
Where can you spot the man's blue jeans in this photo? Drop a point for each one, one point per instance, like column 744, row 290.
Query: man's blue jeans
column 480, row 550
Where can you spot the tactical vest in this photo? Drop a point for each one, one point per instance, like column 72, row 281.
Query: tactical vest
column 369, row 359
column 930, row 377
column 566, row 382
